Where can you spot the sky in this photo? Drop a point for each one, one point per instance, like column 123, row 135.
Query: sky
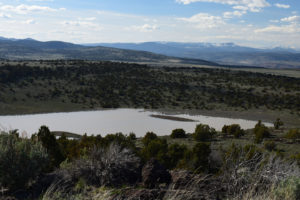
column 255, row 23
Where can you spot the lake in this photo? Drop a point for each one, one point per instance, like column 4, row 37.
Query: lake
column 103, row 122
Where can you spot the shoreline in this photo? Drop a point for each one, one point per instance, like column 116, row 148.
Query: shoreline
column 290, row 120
column 252, row 115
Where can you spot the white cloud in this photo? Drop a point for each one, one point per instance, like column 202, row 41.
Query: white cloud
column 2, row 15
column 252, row 5
column 88, row 18
column 81, row 23
column 292, row 19
column 143, row 28
column 282, row 5
column 205, row 20
column 245, row 8
column 235, row 13
column 291, row 28
column 24, row 9
column 274, row 21
column 30, row 21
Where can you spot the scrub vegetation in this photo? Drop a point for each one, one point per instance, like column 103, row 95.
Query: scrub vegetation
column 48, row 86
column 232, row 163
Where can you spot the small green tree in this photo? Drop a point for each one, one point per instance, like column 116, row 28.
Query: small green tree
column 204, row 133
column 21, row 161
column 176, row 153
column 132, row 136
column 278, row 123
column 148, row 137
column 225, row 130
column 261, row 132
column 201, row 153
column 178, row 133
column 49, row 142
column 156, row 148
column 234, row 129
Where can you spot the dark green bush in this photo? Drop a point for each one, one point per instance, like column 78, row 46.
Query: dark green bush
column 73, row 149
column 132, row 136
column 148, row 137
column 196, row 159
column 234, row 129
column 175, row 153
column 49, row 142
column 178, row 133
column 261, row 132
column 21, row 161
column 293, row 134
column 156, row 148
column 278, row 123
column 118, row 138
column 270, row 145
column 204, row 133
column 201, row 153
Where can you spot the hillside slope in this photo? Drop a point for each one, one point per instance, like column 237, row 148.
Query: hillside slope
column 29, row 49
column 226, row 53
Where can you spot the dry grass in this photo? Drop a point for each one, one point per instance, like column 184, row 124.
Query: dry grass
column 112, row 166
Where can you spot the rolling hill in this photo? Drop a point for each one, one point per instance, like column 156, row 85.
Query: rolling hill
column 29, row 49
column 224, row 53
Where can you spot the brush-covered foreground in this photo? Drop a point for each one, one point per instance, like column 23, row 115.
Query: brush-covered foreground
column 206, row 164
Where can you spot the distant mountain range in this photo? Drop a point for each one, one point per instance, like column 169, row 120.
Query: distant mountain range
column 29, row 49
column 224, row 53
column 170, row 52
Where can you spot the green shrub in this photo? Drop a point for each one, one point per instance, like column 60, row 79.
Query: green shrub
column 178, row 133
column 204, row 133
column 156, row 148
column 21, row 161
column 201, row 153
column 148, row 137
column 175, row 153
column 196, row 159
column 261, row 132
column 270, row 145
column 293, row 134
column 225, row 129
column 73, row 149
column 234, row 129
column 118, row 138
column 132, row 136
column 49, row 142
column 278, row 123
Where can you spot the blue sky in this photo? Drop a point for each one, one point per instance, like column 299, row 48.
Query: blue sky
column 256, row 23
